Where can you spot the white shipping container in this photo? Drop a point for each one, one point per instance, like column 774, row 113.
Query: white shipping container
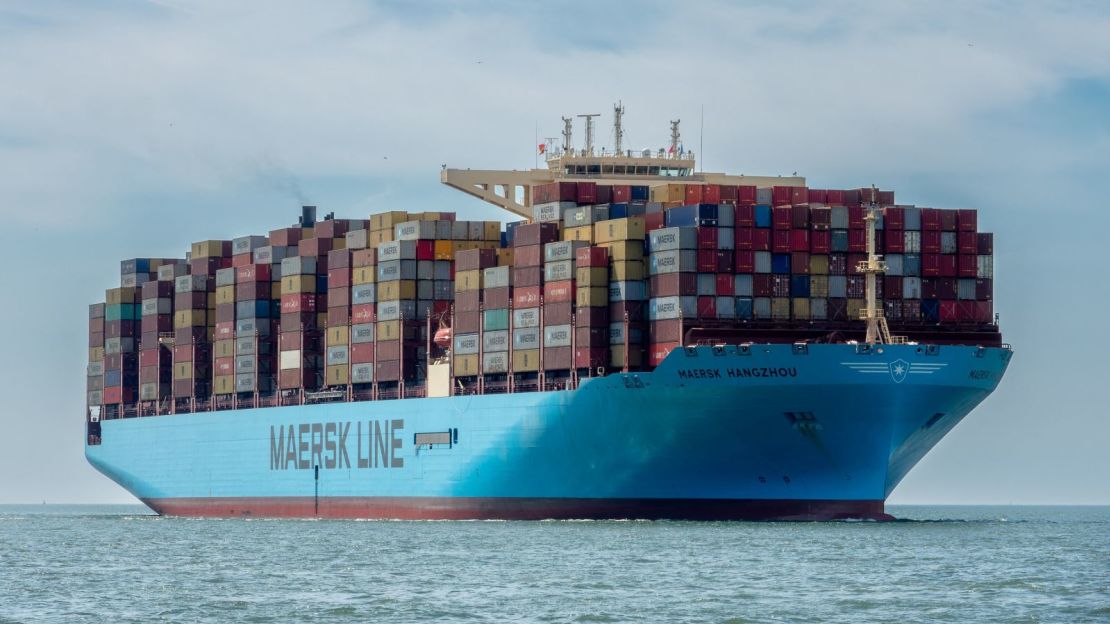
column 634, row 290
column 676, row 261
column 363, row 332
column 616, row 334
column 666, row 308
column 298, row 265
column 154, row 307
column 984, row 267
column 414, row 231
column 526, row 317
column 911, row 239
column 495, row 362
column 466, row 344
column 397, row 250
column 585, row 215
column 358, row 239
column 911, row 287
column 133, row 280
column 392, row 270
column 393, row 310
column 364, row 293
column 497, row 277
column 818, row 309
column 762, row 262
column 562, row 250
column 948, row 242
column 362, row 373
column 726, row 238
column 558, row 271
column 965, row 289
column 495, row 341
column 190, row 283
column 672, row 238
column 338, row 355
column 288, row 360
column 557, row 336
column 526, row 338
column 225, row 277
column 551, row 211
column 247, row 244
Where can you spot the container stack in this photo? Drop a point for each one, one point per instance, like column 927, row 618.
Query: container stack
column 591, row 326
column 253, row 330
column 467, row 337
column 301, row 350
column 338, row 335
column 156, row 358
column 673, row 287
column 95, row 371
column 527, row 284
column 497, row 295
column 120, row 348
column 397, row 322
column 364, row 299
column 624, row 241
column 559, row 298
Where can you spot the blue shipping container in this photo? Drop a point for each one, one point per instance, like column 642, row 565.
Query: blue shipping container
column 762, row 216
column 780, row 263
column 799, row 286
column 930, row 309
column 640, row 193
column 744, row 307
column 257, row 308
column 838, row 240
column 911, row 265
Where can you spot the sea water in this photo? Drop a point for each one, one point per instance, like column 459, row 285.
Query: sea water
column 937, row 564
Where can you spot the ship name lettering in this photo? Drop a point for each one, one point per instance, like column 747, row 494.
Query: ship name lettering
column 304, row 446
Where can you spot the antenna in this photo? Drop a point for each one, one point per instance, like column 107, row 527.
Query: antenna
column 676, row 136
column 877, row 330
column 590, row 132
column 568, row 132
column 618, row 131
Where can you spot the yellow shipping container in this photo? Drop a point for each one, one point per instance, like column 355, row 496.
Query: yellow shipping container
column 96, row 354
column 505, row 256
column 321, row 319
column 444, row 250
column 224, row 348
column 526, row 361
column 592, row 276
column 223, row 384
column 400, row 289
column 427, row 216
column 465, row 365
column 491, row 231
column 819, row 286
column 207, row 249
column 623, row 270
column 182, row 370
column 298, row 284
column 339, row 243
column 818, row 264
column 386, row 220
column 225, row 294
column 855, row 307
column 190, row 318
column 338, row 336
column 337, row 375
column 780, row 308
column 377, row 237
column 275, row 290
column 592, row 297
column 387, row 330
column 467, row 280
column 580, row 233
column 801, row 308
column 635, row 355
column 668, row 193
column 625, row 250
column 364, row 275
column 114, row 296
column 628, row 228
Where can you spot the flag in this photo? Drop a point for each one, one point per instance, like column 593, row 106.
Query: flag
column 543, row 148
column 670, row 150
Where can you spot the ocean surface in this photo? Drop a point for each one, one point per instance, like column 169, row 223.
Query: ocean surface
column 938, row 564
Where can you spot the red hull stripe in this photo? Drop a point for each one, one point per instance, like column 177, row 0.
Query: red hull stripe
column 459, row 508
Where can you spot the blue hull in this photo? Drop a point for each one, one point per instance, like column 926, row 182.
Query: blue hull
column 765, row 432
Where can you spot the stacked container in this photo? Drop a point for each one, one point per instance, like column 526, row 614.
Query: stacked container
column 156, row 357
column 591, row 327
column 528, row 283
column 624, row 241
column 466, row 351
column 559, row 298
column 95, row 371
column 300, row 344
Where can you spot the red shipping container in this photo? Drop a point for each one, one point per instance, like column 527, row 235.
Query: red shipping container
column 965, row 311
column 591, row 257
column 726, row 260
column 966, row 220
column 799, row 216
column 799, row 263
column 894, row 241
column 892, row 286
column 930, row 265
column 659, row 352
column 529, row 256
column 782, row 242
column 192, row 352
column 726, row 285
column 820, row 217
column 338, row 297
column 820, row 241
column 286, row 237
column 150, row 357
column 558, row 292
column 315, row 247
column 967, row 265
column 761, row 239
column 225, row 366
column 587, row 193
column 894, row 218
column 817, row 196
column 745, row 195
column 340, row 278
column 857, row 240
column 984, row 289
column 762, row 285
column 968, row 242
column 707, row 307
column 852, row 197
column 604, row 194
column 253, row 273
column 930, row 241
column 339, row 315
column 694, row 193
column 208, row 266
column 294, row 302
column 781, row 196
column 526, row 297
column 425, row 250
column 948, row 265
column 673, row 284
column 707, row 261
column 855, row 218
column 363, row 258
column 984, row 311
column 161, row 323
column 853, row 262
column 363, row 313
column 834, row 197
column 985, row 243
column 728, row 194
column 440, row 306
column 799, row 240
column 744, row 238
column 745, row 261
column 362, row 353
column 799, row 195
column 707, row 237
column 782, row 217
column 239, row 260
column 711, row 194
column 621, row 193
column 225, row 331
column 948, row 311
column 930, row 219
column 524, row 277
column 592, row 357
column 114, row 395
column 948, row 219
column 745, row 216
column 654, row 221
column 531, row 234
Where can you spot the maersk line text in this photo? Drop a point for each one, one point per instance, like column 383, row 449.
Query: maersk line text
column 305, row 446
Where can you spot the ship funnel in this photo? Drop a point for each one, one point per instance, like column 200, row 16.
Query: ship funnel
column 308, row 216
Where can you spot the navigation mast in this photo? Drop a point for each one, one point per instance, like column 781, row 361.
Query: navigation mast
column 676, row 136
column 877, row 330
column 590, row 132
column 568, row 133
column 618, row 130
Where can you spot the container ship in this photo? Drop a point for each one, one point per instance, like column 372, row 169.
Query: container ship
column 643, row 340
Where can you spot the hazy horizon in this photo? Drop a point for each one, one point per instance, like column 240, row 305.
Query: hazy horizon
column 133, row 128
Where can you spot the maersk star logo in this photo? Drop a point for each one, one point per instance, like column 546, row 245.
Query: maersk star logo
column 898, row 370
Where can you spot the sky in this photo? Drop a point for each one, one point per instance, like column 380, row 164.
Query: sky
column 131, row 129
